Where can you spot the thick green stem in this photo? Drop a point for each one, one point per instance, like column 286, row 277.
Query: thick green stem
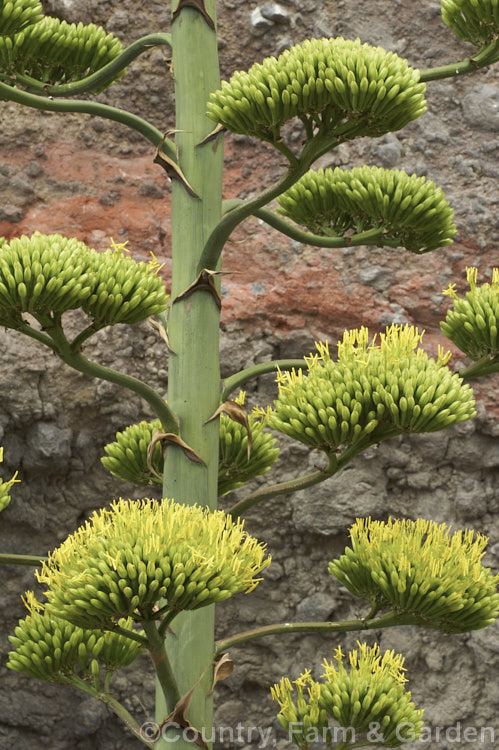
column 162, row 665
column 114, row 705
column 484, row 366
column 102, row 77
column 335, row 464
column 193, row 329
column 117, row 708
column 37, row 335
column 89, row 108
column 129, row 634
column 221, row 233
column 487, row 55
column 284, row 488
column 78, row 362
column 391, row 619
column 160, row 408
column 369, row 237
column 32, row 560
column 239, row 378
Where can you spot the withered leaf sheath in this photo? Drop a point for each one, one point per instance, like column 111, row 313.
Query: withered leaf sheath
column 127, row 456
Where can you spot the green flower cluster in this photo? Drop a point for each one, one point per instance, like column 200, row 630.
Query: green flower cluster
column 15, row 15
column 473, row 321
column 371, row 393
column 56, row 52
column 53, row 649
column 416, row 568
column 371, row 692
column 235, row 468
column 410, row 210
column 49, row 273
column 475, row 21
column 339, row 83
column 127, row 456
column 124, row 560
column 5, row 487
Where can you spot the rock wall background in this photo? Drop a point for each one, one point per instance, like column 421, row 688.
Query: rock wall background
column 93, row 180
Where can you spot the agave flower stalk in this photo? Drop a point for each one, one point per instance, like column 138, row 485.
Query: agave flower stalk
column 194, row 370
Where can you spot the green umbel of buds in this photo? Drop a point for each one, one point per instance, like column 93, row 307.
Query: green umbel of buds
column 15, row 15
column 52, row 649
column 235, row 467
column 127, row 456
column 124, row 290
column 124, row 560
column 345, row 87
column 475, row 21
column 473, row 321
column 45, row 274
column 371, row 393
column 367, row 698
column 54, row 51
column 410, row 210
column 5, row 487
column 417, row 568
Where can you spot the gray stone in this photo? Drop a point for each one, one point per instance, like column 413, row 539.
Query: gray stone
column 389, row 150
column 316, row 608
column 49, row 448
column 379, row 277
column 150, row 189
column 470, row 500
column 275, row 12
column 10, row 213
column 482, row 452
column 432, row 129
column 258, row 22
column 328, row 508
column 481, row 107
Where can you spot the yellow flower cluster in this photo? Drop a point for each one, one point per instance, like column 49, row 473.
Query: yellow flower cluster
column 473, row 321
column 338, row 83
column 370, row 691
column 54, row 51
column 124, row 560
column 16, row 15
column 417, row 568
column 5, row 487
column 475, row 21
column 372, row 392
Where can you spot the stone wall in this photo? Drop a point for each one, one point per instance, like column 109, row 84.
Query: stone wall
column 93, row 180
